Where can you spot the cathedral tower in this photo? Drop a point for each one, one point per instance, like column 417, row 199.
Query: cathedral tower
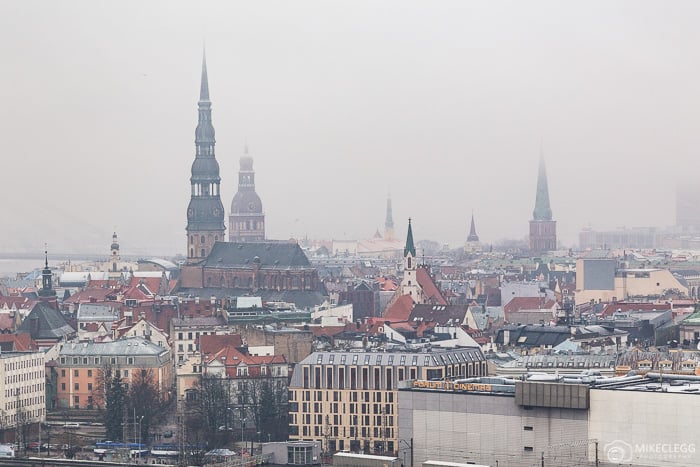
column 205, row 213
column 246, row 222
column 472, row 245
column 543, row 230
column 389, row 222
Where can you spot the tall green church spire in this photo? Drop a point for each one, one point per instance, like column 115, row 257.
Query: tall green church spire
column 409, row 248
column 542, row 212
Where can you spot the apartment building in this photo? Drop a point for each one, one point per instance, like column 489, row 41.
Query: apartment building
column 82, row 366
column 23, row 396
column 349, row 400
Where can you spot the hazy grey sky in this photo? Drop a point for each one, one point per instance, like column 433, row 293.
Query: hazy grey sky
column 444, row 104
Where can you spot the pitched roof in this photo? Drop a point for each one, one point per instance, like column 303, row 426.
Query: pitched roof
column 400, row 310
column 245, row 254
column 430, row 290
column 441, row 314
column 50, row 323
column 211, row 344
column 528, row 303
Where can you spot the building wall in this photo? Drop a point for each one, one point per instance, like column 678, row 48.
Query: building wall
column 543, row 236
column 294, row 345
column 488, row 429
column 80, row 378
column 351, row 404
column 23, row 393
column 631, row 421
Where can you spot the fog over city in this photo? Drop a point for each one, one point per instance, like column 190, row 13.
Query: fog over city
column 446, row 106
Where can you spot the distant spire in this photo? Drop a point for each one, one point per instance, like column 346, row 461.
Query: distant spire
column 473, row 237
column 409, row 248
column 389, row 223
column 46, row 256
column 204, row 87
column 542, row 212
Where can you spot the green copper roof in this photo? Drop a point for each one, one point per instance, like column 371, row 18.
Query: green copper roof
column 542, row 210
column 409, row 241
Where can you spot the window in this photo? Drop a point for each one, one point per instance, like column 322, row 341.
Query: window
column 528, row 449
column 126, row 373
column 76, row 400
column 527, row 428
column 77, row 386
column 89, row 373
column 76, row 373
column 63, row 373
column 130, row 360
column 89, row 386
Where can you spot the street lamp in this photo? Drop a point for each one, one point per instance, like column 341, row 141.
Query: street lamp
column 139, row 444
column 242, row 443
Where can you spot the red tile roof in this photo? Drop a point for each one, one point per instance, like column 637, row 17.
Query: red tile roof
column 528, row 303
column 400, row 310
column 430, row 289
column 212, row 344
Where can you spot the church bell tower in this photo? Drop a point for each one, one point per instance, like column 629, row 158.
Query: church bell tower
column 205, row 213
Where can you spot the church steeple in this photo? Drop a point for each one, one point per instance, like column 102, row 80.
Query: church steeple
column 543, row 230
column 47, row 291
column 542, row 212
column 389, row 222
column 473, row 237
column 409, row 248
column 205, row 213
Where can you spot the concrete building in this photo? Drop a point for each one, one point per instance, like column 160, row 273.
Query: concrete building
column 602, row 280
column 348, row 400
column 23, row 392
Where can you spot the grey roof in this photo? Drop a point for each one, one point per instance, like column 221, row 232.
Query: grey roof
column 303, row 299
column 471, row 354
column 269, row 254
column 51, row 323
column 198, row 321
column 97, row 312
column 129, row 346
column 562, row 361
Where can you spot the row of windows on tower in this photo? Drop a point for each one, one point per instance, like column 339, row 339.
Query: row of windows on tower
column 247, row 224
column 205, row 189
column 202, row 239
column 205, row 150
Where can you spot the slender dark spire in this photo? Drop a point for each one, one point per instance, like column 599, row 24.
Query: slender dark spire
column 542, row 212
column 409, row 248
column 473, row 237
column 204, row 87
column 389, row 223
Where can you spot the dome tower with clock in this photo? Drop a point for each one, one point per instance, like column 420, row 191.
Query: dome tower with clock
column 247, row 219
column 205, row 213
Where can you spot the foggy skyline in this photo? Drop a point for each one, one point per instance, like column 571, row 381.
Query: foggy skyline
column 446, row 106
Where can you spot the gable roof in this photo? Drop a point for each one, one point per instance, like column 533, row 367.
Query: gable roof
column 211, row 344
column 44, row 322
column 245, row 254
column 430, row 290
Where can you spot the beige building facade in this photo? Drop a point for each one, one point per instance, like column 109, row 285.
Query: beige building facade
column 349, row 400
